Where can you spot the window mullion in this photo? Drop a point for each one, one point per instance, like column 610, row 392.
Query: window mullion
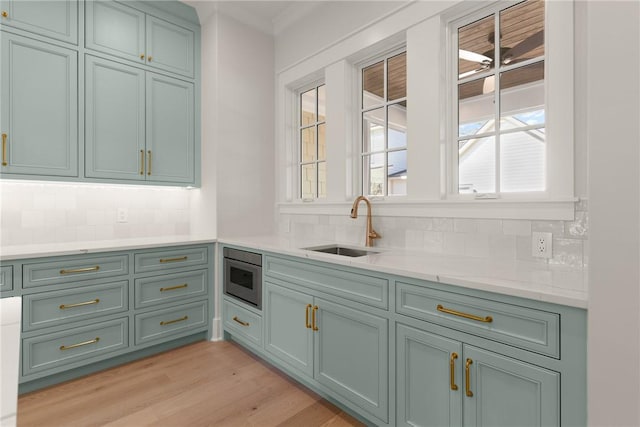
column 496, row 68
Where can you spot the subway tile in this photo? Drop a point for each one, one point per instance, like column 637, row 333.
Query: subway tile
column 414, row 239
column 554, row 227
column 502, row 246
column 579, row 227
column 434, row 241
column 463, row 225
column 442, row 224
column 516, row 227
column 489, row 226
column 453, row 243
column 476, row 245
column 567, row 252
column 32, row 219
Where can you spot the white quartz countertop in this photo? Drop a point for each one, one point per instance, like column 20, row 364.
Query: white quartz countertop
column 8, row 253
column 536, row 281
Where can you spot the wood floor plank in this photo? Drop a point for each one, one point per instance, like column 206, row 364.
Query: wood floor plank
column 203, row 384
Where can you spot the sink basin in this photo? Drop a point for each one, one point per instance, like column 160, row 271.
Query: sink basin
column 341, row 250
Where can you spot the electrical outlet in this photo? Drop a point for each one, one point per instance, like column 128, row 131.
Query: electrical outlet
column 541, row 244
column 123, row 215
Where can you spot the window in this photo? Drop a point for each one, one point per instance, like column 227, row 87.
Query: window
column 384, row 126
column 312, row 143
column 500, row 143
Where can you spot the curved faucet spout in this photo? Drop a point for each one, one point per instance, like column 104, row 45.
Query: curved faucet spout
column 371, row 233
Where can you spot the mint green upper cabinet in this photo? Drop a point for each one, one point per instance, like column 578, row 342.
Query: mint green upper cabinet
column 57, row 19
column 115, row 120
column 169, row 46
column 170, row 129
column 39, row 101
column 115, row 29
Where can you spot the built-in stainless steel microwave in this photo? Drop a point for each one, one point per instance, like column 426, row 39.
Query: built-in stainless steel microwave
column 243, row 276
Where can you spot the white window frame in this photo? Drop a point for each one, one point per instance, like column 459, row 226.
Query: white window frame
column 298, row 138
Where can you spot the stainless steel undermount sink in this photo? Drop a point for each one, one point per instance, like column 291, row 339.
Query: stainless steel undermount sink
column 341, row 250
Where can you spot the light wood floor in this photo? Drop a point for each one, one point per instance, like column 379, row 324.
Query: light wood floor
column 202, row 384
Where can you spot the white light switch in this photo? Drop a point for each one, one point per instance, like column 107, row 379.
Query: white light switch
column 123, row 215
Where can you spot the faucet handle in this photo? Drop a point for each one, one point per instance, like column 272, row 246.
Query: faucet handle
column 373, row 234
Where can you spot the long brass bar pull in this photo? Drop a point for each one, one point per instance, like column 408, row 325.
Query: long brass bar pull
column 4, row 149
column 165, row 260
column 168, row 322
column 306, row 316
column 80, row 270
column 149, row 168
column 141, row 162
column 79, row 304
column 467, row 378
column 80, row 344
column 486, row 319
column 235, row 319
column 452, row 371
column 173, row 288
column 314, row 318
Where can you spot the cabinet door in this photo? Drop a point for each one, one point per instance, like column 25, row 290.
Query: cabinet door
column 57, row 19
column 351, row 356
column 508, row 392
column 286, row 334
column 114, row 122
column 115, row 29
column 170, row 127
column 39, row 99
column 429, row 379
column 170, row 47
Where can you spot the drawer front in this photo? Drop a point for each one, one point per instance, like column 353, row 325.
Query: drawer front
column 6, row 278
column 77, row 346
column 74, row 269
column 54, row 308
column 170, row 287
column 171, row 323
column 242, row 322
column 174, row 258
column 523, row 327
column 357, row 287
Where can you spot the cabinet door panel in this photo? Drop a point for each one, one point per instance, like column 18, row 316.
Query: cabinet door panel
column 115, row 131
column 351, row 356
column 115, row 29
column 56, row 19
column 286, row 335
column 170, row 47
column 170, row 129
column 424, row 389
column 510, row 393
column 39, row 107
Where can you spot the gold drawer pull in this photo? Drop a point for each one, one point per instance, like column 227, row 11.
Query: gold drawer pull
column 80, row 344
column 467, row 378
column 168, row 322
column 149, row 153
column 306, row 317
column 173, row 288
column 79, row 304
column 235, row 318
column 141, row 162
column 80, row 270
column 313, row 318
column 486, row 319
column 4, row 144
column 150, row 58
column 142, row 56
column 5, row 14
column 452, row 371
column 165, row 260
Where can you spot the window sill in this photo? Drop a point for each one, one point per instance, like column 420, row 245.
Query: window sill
column 560, row 209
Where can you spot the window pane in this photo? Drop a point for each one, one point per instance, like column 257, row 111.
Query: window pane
column 476, row 48
column 322, row 101
column 322, row 179
column 397, row 77
column 373, row 130
column 373, row 85
column 522, row 161
column 308, row 139
column 475, row 108
column 322, row 154
column 477, row 165
column 373, row 166
column 522, row 28
column 397, row 173
column 397, row 117
column 309, row 181
column 308, row 107
column 521, row 90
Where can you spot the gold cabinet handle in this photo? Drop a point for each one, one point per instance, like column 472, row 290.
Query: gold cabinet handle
column 150, row 58
column 306, row 316
column 173, row 288
column 314, row 318
column 486, row 319
column 80, row 344
column 168, row 322
column 79, row 304
column 235, row 319
column 142, row 56
column 80, row 270
column 5, row 14
column 4, row 146
column 141, row 162
column 149, row 163
column 467, row 378
column 452, row 371
column 165, row 260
